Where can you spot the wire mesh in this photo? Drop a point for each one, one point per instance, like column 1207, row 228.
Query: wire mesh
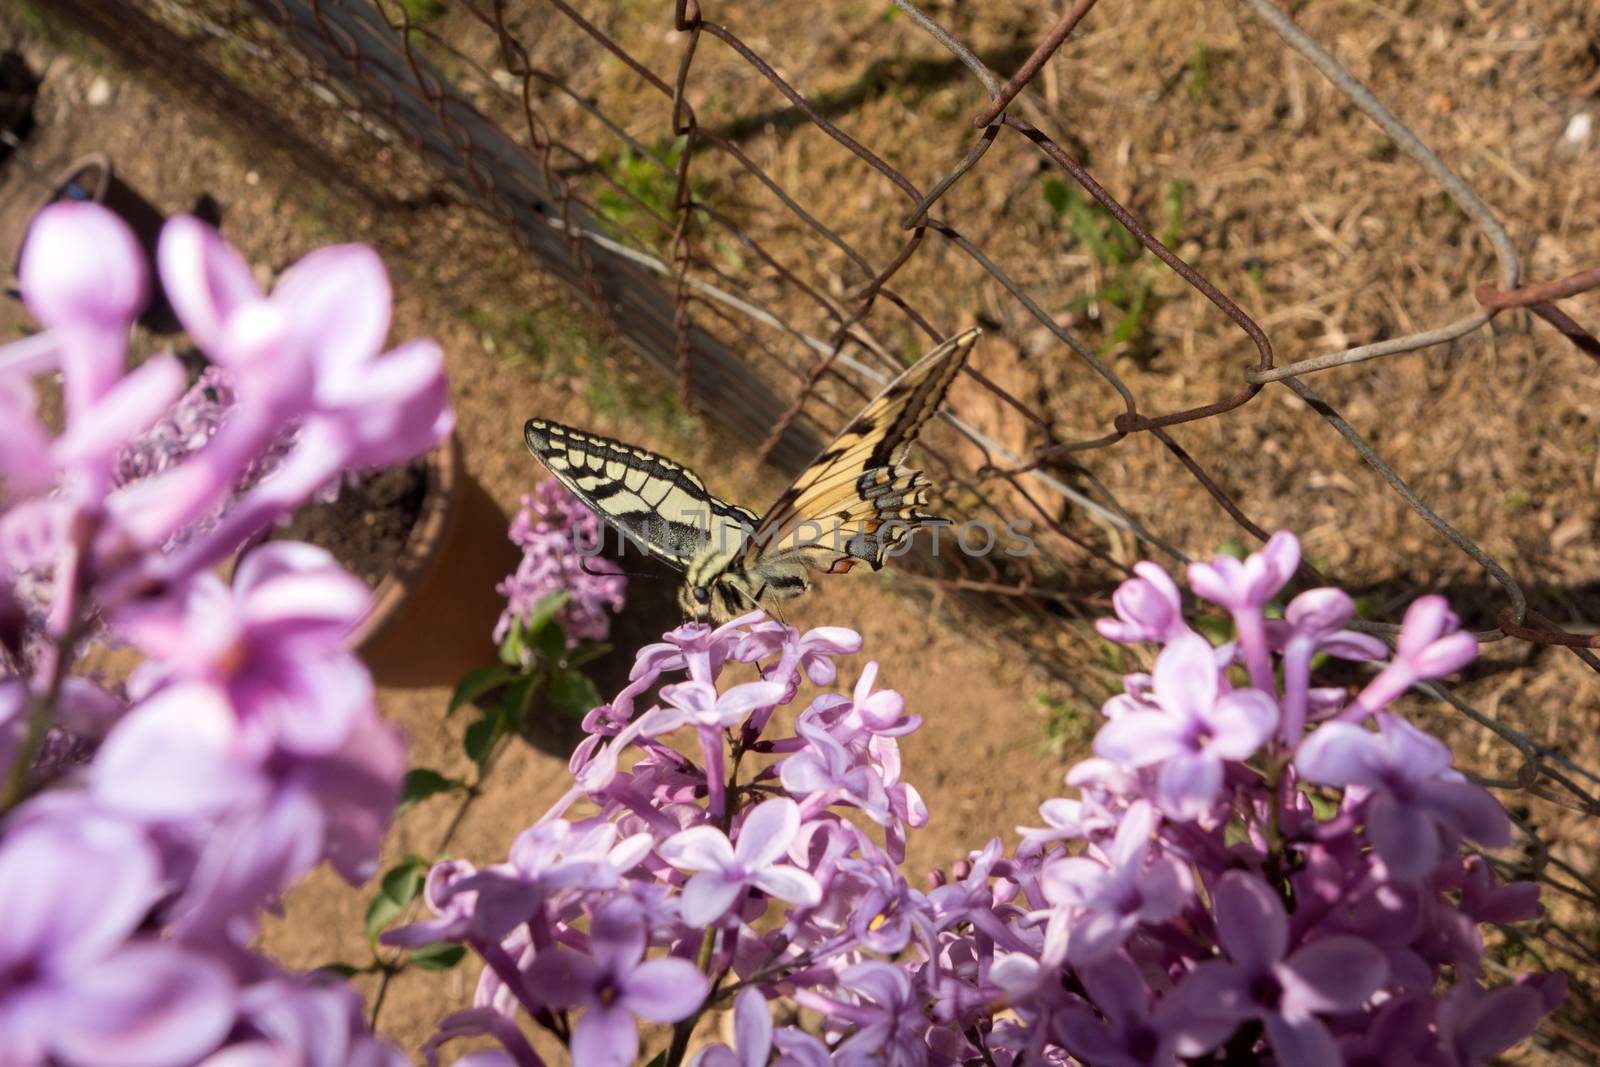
column 689, row 280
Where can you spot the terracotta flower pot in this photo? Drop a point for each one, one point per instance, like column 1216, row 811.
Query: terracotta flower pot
column 433, row 615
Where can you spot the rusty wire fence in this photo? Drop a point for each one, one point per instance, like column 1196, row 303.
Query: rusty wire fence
column 711, row 291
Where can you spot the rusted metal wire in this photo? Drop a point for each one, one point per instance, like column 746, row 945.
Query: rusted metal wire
column 664, row 291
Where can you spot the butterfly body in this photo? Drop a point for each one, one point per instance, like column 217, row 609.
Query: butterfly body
column 854, row 503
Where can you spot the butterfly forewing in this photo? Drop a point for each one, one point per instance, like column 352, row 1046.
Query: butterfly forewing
column 856, row 500
column 661, row 505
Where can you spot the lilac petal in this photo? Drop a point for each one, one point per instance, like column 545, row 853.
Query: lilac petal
column 617, row 934
column 790, row 884
column 664, row 990
column 562, row 979
column 1470, row 809
column 73, row 889
column 1218, row 990
column 1350, row 645
column 1241, row 722
column 1097, row 935
column 1334, row 974
column 743, row 699
column 1116, row 988
column 1303, row 1043
column 1250, row 921
column 1132, row 841
column 879, row 982
column 707, row 898
column 122, row 411
column 800, row 1049
column 1414, row 752
column 1166, row 887
column 1087, row 1037
column 174, row 757
column 695, row 697
column 1320, row 611
column 338, row 298
column 1188, row 784
column 1072, row 880
column 1497, row 1021
column 1446, row 655
column 805, row 773
column 82, row 265
column 699, row 848
column 1404, row 836
column 1426, row 620
column 205, row 280
column 1185, row 676
column 766, row 832
column 605, row 1037
column 399, row 409
column 248, row 860
column 1139, row 738
column 148, row 1005
column 1275, row 564
column 1341, row 753
column 752, row 1025
column 357, row 790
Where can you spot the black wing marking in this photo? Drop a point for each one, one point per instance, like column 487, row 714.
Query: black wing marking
column 661, row 505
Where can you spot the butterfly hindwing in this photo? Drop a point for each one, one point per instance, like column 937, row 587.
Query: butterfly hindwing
column 857, row 500
column 660, row 505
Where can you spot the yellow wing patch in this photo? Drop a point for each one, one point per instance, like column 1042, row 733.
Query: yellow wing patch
column 857, row 500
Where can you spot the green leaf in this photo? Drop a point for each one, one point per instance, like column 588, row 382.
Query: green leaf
column 544, row 609
column 343, row 970
column 437, row 957
column 513, row 708
column 587, row 652
column 479, row 681
column 481, row 737
column 401, row 884
column 550, row 641
column 660, row 1059
column 1058, row 194
column 511, row 646
column 424, row 782
column 573, row 694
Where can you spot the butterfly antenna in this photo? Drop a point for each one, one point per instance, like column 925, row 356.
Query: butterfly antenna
column 583, row 565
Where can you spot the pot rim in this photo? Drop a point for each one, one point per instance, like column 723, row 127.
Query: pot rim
column 419, row 557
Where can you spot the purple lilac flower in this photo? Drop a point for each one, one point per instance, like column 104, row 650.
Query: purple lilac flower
column 1148, row 608
column 1285, row 990
column 557, row 534
column 615, row 984
column 81, row 988
column 1101, row 904
column 1195, row 729
column 1414, row 794
column 724, row 871
column 249, row 748
column 1190, row 898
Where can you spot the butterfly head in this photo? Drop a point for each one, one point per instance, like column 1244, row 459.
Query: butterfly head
column 721, row 598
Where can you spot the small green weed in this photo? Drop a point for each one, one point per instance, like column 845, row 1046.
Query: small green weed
column 1128, row 278
column 644, row 189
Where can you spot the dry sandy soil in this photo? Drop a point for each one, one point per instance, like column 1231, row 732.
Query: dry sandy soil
column 1290, row 201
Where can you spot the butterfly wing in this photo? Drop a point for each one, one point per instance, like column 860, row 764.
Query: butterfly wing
column 658, row 504
column 857, row 500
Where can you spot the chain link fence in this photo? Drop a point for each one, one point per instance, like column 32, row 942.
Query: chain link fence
column 710, row 284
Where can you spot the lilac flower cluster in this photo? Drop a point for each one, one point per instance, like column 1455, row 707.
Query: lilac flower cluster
column 185, row 429
column 1254, row 869
column 550, row 529
column 245, row 749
